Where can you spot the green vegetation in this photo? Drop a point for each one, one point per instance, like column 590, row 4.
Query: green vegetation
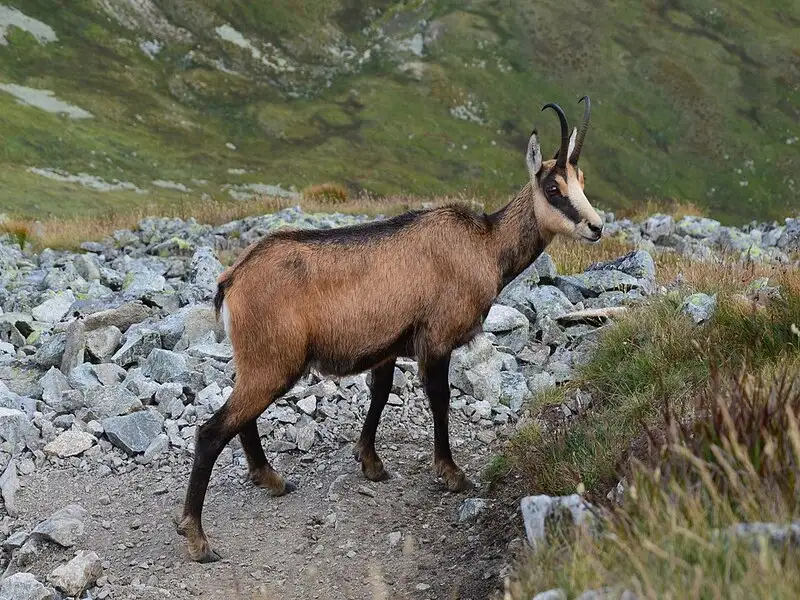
column 693, row 101
column 704, row 423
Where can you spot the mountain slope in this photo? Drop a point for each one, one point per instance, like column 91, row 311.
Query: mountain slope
column 697, row 101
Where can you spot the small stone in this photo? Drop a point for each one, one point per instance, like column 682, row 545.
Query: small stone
column 422, row 587
column 74, row 347
column 70, row 443
column 164, row 365
column 306, row 436
column 366, row 491
column 64, row 526
column 9, row 486
column 133, row 433
column 24, row 586
column 470, row 509
column 102, row 343
column 54, row 309
column 308, row 405
column 700, row 307
column 104, row 402
column 138, row 345
column 394, row 538
column 554, row 594
column 78, row 574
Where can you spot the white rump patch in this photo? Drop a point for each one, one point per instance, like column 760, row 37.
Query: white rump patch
column 11, row 17
column 226, row 318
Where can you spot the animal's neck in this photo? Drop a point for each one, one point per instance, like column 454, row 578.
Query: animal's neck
column 516, row 236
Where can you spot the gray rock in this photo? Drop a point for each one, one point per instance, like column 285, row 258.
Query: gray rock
column 103, row 342
column 546, row 268
column 164, row 365
column 143, row 283
column 204, row 271
column 53, row 383
column 306, row 436
column 542, row 512
column 478, row 354
column 789, row 240
column 112, row 401
column 9, row 486
column 700, row 307
column 64, row 526
column 540, row 382
column 70, row 443
column 54, row 309
column 142, row 387
column 16, row 429
column 108, row 374
column 137, row 346
column 470, row 508
column 78, row 574
column 778, row 535
column 121, row 317
column 514, row 391
column 638, row 264
column 593, row 283
column 200, row 326
column 509, row 326
column 74, row 347
column 215, row 351
column 554, row 594
column 308, row 405
column 697, row 227
column 83, row 377
column 155, row 449
column 24, row 586
column 658, row 226
column 87, row 266
column 550, row 302
column 133, row 433
column 51, row 352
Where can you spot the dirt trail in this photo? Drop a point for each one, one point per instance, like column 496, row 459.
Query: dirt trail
column 331, row 538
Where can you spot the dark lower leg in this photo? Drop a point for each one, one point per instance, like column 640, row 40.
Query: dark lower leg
column 212, row 437
column 437, row 388
column 380, row 387
column 261, row 472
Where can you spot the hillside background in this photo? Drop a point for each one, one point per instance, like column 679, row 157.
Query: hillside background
column 190, row 100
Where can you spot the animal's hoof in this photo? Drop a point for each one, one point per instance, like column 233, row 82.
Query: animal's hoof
column 288, row 488
column 206, row 556
column 459, row 484
column 375, row 471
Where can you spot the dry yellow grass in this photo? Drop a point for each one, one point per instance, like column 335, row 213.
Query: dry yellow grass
column 672, row 206
column 327, row 193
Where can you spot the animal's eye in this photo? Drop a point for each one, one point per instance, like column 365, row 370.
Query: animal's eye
column 551, row 190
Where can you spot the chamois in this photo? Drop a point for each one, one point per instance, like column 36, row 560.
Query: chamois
column 355, row 298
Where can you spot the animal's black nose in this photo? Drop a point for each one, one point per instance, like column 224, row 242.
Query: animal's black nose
column 595, row 228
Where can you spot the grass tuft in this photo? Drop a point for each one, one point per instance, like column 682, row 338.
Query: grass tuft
column 327, row 193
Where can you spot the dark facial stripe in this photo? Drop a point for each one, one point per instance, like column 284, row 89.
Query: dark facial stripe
column 559, row 201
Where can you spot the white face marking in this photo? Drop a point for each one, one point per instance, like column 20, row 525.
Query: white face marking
column 587, row 213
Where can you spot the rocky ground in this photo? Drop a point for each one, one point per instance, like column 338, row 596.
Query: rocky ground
column 110, row 358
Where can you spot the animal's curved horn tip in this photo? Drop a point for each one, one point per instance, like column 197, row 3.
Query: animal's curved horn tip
column 583, row 98
column 534, row 132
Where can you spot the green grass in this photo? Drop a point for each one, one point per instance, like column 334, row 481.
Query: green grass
column 685, row 97
column 704, row 424
column 653, row 359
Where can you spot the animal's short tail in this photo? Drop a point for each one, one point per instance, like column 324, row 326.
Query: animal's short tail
column 223, row 284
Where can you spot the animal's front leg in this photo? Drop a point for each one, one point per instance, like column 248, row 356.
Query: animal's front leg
column 437, row 388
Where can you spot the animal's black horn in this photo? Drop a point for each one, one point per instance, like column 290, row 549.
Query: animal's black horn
column 576, row 152
column 561, row 163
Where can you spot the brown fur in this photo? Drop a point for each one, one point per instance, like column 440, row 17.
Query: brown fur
column 348, row 300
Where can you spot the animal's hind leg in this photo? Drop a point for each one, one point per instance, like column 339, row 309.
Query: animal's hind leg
column 437, row 388
column 380, row 386
column 261, row 472
column 245, row 404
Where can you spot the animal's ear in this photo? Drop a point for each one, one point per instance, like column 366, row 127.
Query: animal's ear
column 572, row 141
column 533, row 158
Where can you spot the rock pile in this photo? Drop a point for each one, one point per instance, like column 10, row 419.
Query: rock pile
column 110, row 358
